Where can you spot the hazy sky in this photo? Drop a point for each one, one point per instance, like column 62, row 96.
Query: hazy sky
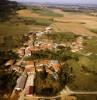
column 63, row 1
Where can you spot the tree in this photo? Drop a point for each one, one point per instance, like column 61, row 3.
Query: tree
column 7, row 8
column 7, row 77
column 34, row 39
column 64, row 74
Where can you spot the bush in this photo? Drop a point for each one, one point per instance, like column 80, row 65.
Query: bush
column 61, row 55
column 62, row 37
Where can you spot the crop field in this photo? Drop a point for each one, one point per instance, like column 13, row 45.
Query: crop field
column 35, row 18
column 71, row 27
column 29, row 13
column 40, row 13
column 79, row 23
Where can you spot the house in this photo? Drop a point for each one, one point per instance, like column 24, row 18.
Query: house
column 79, row 39
column 48, row 29
column 55, row 64
column 55, row 45
column 55, row 75
column 34, row 49
column 42, row 62
column 16, row 68
column 46, row 46
column 21, row 81
column 18, row 63
column 61, row 46
column 29, row 63
column 25, row 44
column 30, row 42
column 28, row 51
column 30, row 86
column 49, row 71
column 39, row 69
column 10, row 62
column 31, row 33
column 21, row 52
column 39, row 34
column 30, row 68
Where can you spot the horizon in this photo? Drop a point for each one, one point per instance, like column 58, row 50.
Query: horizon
column 60, row 1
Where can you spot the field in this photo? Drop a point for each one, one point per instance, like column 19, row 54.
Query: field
column 36, row 19
column 11, row 34
column 40, row 13
column 11, row 31
column 78, row 23
column 29, row 13
column 90, row 45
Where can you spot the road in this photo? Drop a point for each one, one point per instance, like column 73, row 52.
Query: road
column 65, row 93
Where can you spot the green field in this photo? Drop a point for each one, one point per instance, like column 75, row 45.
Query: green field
column 11, row 34
column 93, row 30
column 33, row 21
column 11, row 31
column 46, row 12
column 85, row 74
column 90, row 45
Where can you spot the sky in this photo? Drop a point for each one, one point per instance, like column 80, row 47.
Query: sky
column 62, row 1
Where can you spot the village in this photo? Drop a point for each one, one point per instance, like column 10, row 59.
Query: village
column 48, row 50
column 28, row 68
